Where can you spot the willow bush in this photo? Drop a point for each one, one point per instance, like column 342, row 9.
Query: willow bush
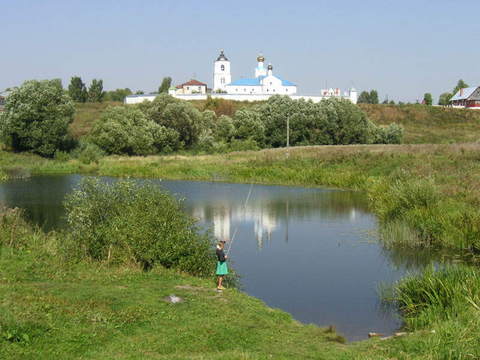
column 126, row 221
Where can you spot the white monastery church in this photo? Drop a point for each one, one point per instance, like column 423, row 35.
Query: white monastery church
column 258, row 88
column 264, row 82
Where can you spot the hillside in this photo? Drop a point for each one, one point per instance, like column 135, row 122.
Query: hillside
column 428, row 124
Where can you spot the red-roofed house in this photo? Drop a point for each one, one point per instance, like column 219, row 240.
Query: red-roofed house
column 191, row 87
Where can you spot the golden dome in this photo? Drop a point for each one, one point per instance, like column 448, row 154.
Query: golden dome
column 260, row 58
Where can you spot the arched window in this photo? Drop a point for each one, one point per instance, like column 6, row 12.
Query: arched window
column 222, row 67
column 222, row 80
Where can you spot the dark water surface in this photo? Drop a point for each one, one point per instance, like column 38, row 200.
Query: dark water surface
column 307, row 251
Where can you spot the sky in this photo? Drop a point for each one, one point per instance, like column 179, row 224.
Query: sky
column 403, row 49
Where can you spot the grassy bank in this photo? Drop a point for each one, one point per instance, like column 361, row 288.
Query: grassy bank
column 428, row 124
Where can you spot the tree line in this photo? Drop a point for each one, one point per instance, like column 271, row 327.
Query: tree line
column 38, row 113
column 78, row 91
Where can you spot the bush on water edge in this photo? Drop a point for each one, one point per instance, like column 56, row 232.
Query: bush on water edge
column 126, row 221
column 120, row 223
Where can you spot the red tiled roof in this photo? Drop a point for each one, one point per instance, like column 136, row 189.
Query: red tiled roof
column 193, row 83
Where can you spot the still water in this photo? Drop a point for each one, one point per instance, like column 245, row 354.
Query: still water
column 310, row 252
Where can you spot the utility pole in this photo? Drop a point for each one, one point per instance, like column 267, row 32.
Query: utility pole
column 288, row 135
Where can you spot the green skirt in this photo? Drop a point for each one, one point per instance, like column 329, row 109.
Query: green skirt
column 222, row 268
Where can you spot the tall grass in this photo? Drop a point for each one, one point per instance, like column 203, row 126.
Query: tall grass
column 442, row 307
column 436, row 295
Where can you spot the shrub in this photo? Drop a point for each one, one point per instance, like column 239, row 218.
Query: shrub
column 126, row 221
column 330, row 122
column 88, row 153
column 184, row 118
column 126, row 130
column 224, row 129
column 36, row 118
column 61, row 155
column 391, row 134
column 248, row 125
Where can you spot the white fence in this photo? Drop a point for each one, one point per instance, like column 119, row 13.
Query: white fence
column 135, row 99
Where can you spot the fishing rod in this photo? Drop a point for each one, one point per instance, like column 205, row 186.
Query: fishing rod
column 236, row 228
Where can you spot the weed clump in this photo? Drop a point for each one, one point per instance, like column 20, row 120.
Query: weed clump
column 126, row 222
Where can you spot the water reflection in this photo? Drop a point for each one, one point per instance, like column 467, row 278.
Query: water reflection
column 268, row 208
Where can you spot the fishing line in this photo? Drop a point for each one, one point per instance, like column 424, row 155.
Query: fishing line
column 244, row 209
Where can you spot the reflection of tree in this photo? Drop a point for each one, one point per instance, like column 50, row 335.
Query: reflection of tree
column 40, row 197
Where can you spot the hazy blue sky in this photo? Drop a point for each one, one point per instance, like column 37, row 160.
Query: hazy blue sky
column 402, row 48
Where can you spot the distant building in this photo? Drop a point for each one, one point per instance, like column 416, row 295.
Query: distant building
column 189, row 88
column 259, row 88
column 467, row 98
column 264, row 82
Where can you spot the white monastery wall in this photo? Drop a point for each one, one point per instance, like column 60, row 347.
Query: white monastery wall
column 136, row 99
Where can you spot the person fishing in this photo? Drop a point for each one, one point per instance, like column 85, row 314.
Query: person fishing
column 222, row 268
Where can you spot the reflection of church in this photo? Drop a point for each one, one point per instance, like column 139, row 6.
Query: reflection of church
column 223, row 217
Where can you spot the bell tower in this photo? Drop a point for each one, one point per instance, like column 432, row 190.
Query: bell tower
column 221, row 73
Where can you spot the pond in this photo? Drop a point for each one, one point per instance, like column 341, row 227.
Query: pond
column 310, row 252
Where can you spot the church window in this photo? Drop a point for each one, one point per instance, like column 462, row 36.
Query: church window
column 244, row 90
column 222, row 80
column 222, row 67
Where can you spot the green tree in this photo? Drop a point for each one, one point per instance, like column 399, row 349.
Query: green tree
column 166, row 83
column 460, row 85
column 427, row 99
column 95, row 91
column 126, row 130
column 364, row 98
column 373, row 96
column 77, row 89
column 224, row 129
column 117, row 95
column 444, row 99
column 184, row 118
column 248, row 125
column 36, row 118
